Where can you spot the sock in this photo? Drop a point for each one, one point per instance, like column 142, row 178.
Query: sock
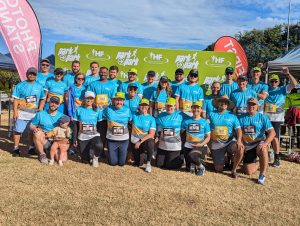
column 30, row 147
column 276, row 156
column 16, row 147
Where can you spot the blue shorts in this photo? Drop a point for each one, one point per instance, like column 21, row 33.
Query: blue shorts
column 22, row 126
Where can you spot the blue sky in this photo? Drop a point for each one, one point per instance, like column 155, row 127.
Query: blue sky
column 175, row 24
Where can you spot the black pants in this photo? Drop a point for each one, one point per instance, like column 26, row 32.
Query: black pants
column 168, row 159
column 192, row 157
column 145, row 152
column 74, row 128
column 102, row 129
column 86, row 145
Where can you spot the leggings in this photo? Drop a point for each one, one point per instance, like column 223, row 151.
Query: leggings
column 192, row 156
column 168, row 159
column 102, row 128
column 85, row 146
column 145, row 152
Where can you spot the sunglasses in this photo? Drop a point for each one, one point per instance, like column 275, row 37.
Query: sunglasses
column 193, row 75
column 229, row 73
column 274, row 81
column 45, row 65
column 61, row 73
column 80, row 79
column 32, row 74
column 133, row 88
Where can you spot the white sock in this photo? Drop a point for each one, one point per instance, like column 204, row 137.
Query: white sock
column 16, row 147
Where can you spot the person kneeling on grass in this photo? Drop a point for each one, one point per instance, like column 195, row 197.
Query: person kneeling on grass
column 254, row 125
column 197, row 136
column 61, row 135
column 224, row 125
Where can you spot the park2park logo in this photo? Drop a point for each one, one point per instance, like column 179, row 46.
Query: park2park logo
column 154, row 58
column 128, row 58
column 97, row 55
column 187, row 61
column 69, row 54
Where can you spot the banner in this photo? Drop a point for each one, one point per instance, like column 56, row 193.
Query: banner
column 230, row 44
column 21, row 33
column 211, row 65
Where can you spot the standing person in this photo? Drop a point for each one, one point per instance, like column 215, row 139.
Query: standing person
column 42, row 123
column 197, row 137
column 69, row 78
column 229, row 85
column 240, row 96
column 150, row 86
column 274, row 106
column 259, row 87
column 179, row 79
column 132, row 100
column 132, row 78
column 88, row 137
column 168, row 131
column 56, row 87
column 29, row 98
column 215, row 93
column 94, row 76
column 160, row 96
column 44, row 73
column 117, row 136
column 142, row 135
column 254, row 127
column 224, row 125
column 113, row 72
column 188, row 93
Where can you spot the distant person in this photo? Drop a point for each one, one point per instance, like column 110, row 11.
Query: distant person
column 229, row 85
column 28, row 99
column 215, row 93
column 113, row 72
column 94, row 76
column 132, row 78
column 69, row 78
column 150, row 86
column 44, row 75
column 179, row 79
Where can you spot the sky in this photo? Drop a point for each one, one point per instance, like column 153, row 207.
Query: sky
column 174, row 24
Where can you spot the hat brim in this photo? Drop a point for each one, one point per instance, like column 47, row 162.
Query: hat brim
column 230, row 104
column 252, row 102
column 119, row 98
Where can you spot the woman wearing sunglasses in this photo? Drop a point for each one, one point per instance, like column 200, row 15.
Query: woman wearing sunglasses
column 56, row 87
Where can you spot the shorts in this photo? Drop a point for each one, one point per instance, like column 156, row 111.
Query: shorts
column 250, row 156
column 276, row 126
column 218, row 155
column 22, row 126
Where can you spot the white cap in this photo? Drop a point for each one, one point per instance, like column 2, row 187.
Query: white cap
column 89, row 94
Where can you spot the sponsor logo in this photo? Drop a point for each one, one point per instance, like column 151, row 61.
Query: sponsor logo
column 128, row 58
column 98, row 55
column 156, row 59
column 187, row 61
column 217, row 62
column 69, row 54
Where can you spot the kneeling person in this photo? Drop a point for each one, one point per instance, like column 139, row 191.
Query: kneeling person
column 256, row 143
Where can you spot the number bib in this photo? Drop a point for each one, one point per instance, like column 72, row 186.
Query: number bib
column 186, row 105
column 30, row 99
column 249, row 130
column 241, row 110
column 102, row 99
column 270, row 108
column 168, row 132
column 88, row 128
column 221, row 131
column 118, row 130
column 194, row 128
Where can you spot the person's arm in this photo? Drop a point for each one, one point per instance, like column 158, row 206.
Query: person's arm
column 177, row 102
column 151, row 109
column 42, row 104
column 148, row 136
column 15, row 109
column 262, row 96
column 204, row 142
column 239, row 135
column 293, row 81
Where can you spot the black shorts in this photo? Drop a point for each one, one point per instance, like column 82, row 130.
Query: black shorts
column 250, row 156
column 276, row 126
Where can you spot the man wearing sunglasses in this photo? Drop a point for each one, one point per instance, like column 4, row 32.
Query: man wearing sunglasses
column 132, row 78
column 274, row 106
column 69, row 78
column 179, row 79
column 229, row 85
column 44, row 74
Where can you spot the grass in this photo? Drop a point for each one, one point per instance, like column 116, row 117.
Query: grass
column 77, row 194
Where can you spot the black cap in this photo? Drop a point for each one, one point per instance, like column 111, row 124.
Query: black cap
column 193, row 72
column 229, row 70
column 242, row 77
column 31, row 70
column 164, row 79
column 58, row 71
column 179, row 71
column 55, row 99
column 64, row 119
column 45, row 60
column 151, row 73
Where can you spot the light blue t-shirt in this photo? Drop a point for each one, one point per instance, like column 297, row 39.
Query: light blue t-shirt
column 148, row 89
column 159, row 102
column 88, row 116
column 42, row 79
column 45, row 121
column 132, row 104
column 117, row 83
column 208, row 106
column 141, row 125
column 104, row 91
column 195, row 130
column 89, row 79
column 56, row 88
column 79, row 93
column 117, row 122
column 69, row 79
column 174, row 85
column 259, row 88
column 124, row 86
column 254, row 128
column 227, row 89
column 188, row 94
column 240, row 98
column 169, row 125
column 222, row 128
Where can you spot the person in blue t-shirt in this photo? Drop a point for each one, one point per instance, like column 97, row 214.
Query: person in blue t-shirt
column 150, row 86
column 94, row 76
column 41, row 124
column 160, row 96
column 226, row 135
column 113, row 72
column 168, row 132
column 44, row 75
column 229, row 85
column 117, row 136
column 132, row 78
column 69, row 78
column 197, row 137
column 215, row 93
column 29, row 98
column 254, row 127
column 142, row 135
column 240, row 96
column 179, row 79
column 88, row 137
column 132, row 100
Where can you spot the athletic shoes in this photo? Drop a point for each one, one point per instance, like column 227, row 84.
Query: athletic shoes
column 51, row 162
column 261, row 179
column 234, row 174
column 192, row 168
column 95, row 162
column 276, row 163
column 200, row 171
column 60, row 163
column 43, row 159
column 31, row 151
column 148, row 168
column 16, row 153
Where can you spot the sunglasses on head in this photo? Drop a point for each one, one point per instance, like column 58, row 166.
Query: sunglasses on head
column 45, row 65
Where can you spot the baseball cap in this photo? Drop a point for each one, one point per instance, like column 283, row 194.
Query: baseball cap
column 55, row 99
column 144, row 101
column 133, row 85
column 119, row 95
column 194, row 72
column 252, row 100
column 31, row 70
column 229, row 70
column 45, row 60
column 64, row 119
column 242, row 77
column 164, row 79
column 58, row 71
column 274, row 77
column 256, row 69
column 171, row 101
column 197, row 103
column 151, row 73
column 89, row 94
column 133, row 70
column 179, row 71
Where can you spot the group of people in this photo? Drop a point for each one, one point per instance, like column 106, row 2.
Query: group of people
column 167, row 122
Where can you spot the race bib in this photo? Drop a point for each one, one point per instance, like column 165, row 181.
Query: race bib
column 30, row 99
column 102, row 99
column 194, row 127
column 78, row 102
column 249, row 130
column 168, row 132
column 220, row 132
column 160, row 105
column 88, row 128
column 118, row 130
column 241, row 110
column 186, row 105
column 270, row 108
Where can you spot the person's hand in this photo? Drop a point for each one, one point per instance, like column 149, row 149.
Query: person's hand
column 263, row 145
column 137, row 145
column 240, row 145
column 75, row 144
column 36, row 129
column 198, row 145
column 156, row 140
column 15, row 115
column 285, row 71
